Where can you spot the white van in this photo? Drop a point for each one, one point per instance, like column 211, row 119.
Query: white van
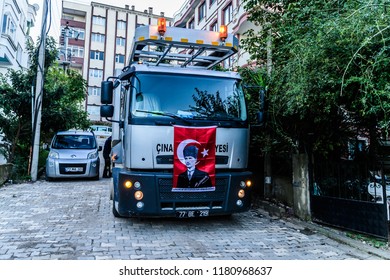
column 102, row 132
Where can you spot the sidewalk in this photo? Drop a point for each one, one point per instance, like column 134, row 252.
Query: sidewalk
column 333, row 233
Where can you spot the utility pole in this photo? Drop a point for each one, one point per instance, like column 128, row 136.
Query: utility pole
column 39, row 96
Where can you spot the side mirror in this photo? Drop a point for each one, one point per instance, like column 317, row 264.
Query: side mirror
column 106, row 111
column 107, row 92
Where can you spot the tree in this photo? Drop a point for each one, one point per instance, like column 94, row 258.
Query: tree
column 330, row 73
column 62, row 109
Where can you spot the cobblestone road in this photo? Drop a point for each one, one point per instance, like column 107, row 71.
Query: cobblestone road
column 72, row 220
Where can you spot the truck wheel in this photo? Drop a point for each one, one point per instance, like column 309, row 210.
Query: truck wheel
column 116, row 214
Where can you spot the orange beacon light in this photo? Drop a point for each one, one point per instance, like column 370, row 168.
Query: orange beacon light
column 161, row 26
column 223, row 34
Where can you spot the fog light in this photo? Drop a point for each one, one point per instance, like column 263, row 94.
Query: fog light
column 137, row 185
column 241, row 193
column 239, row 203
column 248, row 183
column 242, row 184
column 128, row 184
column 138, row 195
column 140, row 204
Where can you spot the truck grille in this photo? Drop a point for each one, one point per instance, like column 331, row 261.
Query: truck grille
column 192, row 199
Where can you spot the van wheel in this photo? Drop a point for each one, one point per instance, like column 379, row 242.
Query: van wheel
column 96, row 178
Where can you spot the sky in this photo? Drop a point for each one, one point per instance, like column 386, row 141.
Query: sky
column 169, row 7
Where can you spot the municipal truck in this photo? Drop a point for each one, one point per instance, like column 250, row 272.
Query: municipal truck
column 180, row 128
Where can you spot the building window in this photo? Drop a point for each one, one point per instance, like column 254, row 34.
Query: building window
column 93, row 110
column 202, row 11
column 99, row 20
column 9, row 27
column 121, row 25
column 77, row 51
column 228, row 14
column 119, row 58
column 211, row 2
column 97, row 37
column 94, row 91
column 120, row 41
column 96, row 73
column 77, row 33
column 214, row 26
column 96, row 55
column 191, row 24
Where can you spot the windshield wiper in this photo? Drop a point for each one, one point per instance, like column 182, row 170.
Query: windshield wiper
column 165, row 114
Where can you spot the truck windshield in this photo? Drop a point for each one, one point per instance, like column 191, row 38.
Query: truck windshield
column 188, row 97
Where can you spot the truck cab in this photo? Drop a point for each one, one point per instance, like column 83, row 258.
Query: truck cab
column 160, row 93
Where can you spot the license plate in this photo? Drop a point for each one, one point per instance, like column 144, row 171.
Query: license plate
column 73, row 169
column 192, row 213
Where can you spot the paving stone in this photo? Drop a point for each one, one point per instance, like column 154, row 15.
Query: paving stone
column 72, row 220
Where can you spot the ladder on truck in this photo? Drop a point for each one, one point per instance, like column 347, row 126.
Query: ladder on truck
column 181, row 47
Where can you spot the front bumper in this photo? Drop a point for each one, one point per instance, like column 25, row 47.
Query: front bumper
column 66, row 168
column 159, row 200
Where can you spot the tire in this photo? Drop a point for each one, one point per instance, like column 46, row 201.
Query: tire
column 116, row 214
column 96, row 178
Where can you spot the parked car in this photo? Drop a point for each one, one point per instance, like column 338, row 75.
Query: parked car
column 102, row 132
column 73, row 154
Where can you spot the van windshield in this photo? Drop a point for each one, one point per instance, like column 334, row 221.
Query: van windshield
column 188, row 96
column 74, row 142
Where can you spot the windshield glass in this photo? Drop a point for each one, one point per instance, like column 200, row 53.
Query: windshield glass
column 184, row 96
column 74, row 142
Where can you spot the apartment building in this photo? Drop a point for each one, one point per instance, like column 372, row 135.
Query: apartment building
column 17, row 18
column 210, row 14
column 96, row 39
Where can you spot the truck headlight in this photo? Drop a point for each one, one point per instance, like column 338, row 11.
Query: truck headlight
column 241, row 193
column 138, row 195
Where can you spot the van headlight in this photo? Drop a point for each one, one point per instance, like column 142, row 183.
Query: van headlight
column 53, row 155
column 93, row 155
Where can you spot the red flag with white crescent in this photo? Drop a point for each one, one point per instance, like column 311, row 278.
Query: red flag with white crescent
column 194, row 159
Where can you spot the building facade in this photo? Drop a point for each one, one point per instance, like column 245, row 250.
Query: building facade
column 210, row 15
column 17, row 18
column 96, row 39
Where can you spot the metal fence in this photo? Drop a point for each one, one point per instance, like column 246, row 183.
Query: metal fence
column 352, row 195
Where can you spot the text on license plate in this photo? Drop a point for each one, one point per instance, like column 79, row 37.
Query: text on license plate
column 192, row 213
column 73, row 169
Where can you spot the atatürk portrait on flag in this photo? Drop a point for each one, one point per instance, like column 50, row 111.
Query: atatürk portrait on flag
column 194, row 159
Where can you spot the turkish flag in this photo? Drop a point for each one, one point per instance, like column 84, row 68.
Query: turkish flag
column 194, row 158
